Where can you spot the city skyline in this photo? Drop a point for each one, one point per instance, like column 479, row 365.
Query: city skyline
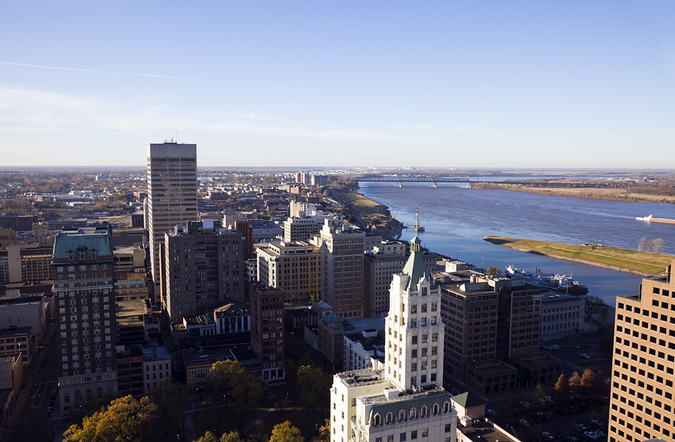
column 517, row 84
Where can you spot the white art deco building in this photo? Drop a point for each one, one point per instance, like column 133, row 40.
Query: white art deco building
column 402, row 401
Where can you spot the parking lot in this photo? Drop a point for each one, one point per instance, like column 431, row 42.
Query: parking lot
column 578, row 421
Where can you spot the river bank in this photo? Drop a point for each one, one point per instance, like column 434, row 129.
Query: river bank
column 583, row 192
column 613, row 258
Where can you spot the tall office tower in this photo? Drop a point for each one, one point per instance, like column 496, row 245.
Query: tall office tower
column 405, row 399
column 85, row 299
column 342, row 268
column 204, row 266
column 492, row 335
column 267, row 330
column 172, row 193
column 641, row 404
column 293, row 267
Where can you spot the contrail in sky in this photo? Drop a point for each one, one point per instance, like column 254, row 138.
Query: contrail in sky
column 90, row 70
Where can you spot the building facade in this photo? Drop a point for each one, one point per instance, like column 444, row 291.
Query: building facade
column 292, row 267
column 342, row 250
column 641, row 403
column 86, row 323
column 172, row 193
column 267, row 330
column 204, row 265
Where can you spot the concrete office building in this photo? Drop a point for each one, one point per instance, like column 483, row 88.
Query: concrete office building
column 342, row 267
column 301, row 229
column 405, row 399
column 641, row 403
column 293, row 267
column 86, row 322
column 172, row 194
column 561, row 315
column 204, row 265
column 491, row 324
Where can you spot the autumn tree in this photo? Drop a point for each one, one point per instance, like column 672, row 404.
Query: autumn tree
column 314, row 386
column 591, row 382
column 538, row 393
column 324, row 432
column 561, row 392
column 125, row 419
column 285, row 432
column 575, row 380
column 227, row 437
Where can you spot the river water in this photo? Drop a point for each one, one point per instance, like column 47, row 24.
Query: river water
column 456, row 219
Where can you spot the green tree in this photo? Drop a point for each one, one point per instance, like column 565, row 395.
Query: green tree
column 493, row 270
column 246, row 394
column 125, row 419
column 170, row 398
column 285, row 432
column 314, row 386
column 561, row 392
column 224, row 375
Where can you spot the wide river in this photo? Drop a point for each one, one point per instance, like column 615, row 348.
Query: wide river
column 457, row 218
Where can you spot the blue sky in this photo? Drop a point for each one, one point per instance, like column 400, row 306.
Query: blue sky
column 371, row 83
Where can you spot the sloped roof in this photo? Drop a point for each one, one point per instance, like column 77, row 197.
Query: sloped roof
column 415, row 267
column 468, row 400
column 66, row 241
column 331, row 317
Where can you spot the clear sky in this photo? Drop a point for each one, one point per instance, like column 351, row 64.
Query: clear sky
column 340, row 83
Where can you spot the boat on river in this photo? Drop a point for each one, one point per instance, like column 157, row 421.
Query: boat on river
column 552, row 281
column 651, row 219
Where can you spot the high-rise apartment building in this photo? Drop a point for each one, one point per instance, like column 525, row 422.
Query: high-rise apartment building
column 292, row 267
column 204, row 265
column 641, row 404
column 86, row 323
column 404, row 400
column 267, row 330
column 342, row 250
column 172, row 193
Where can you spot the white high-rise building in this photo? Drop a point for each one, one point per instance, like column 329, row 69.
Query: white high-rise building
column 404, row 400
column 172, row 193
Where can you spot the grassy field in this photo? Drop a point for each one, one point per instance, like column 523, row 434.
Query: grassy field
column 630, row 261
column 366, row 205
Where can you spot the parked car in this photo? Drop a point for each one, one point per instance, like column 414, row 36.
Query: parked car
column 584, row 355
column 524, row 422
column 525, row 404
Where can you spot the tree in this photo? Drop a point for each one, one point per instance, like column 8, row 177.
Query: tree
column 207, row 437
column 561, row 392
column 246, row 393
column 232, row 436
column 592, row 305
column 641, row 244
column 285, row 432
column 493, row 270
column 324, row 432
column 575, row 380
column 657, row 245
column 591, row 382
column 125, row 419
column 374, row 221
column 538, row 393
column 314, row 386
column 223, row 379
column 170, row 398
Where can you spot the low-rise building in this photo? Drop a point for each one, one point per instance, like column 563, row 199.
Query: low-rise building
column 156, row 366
